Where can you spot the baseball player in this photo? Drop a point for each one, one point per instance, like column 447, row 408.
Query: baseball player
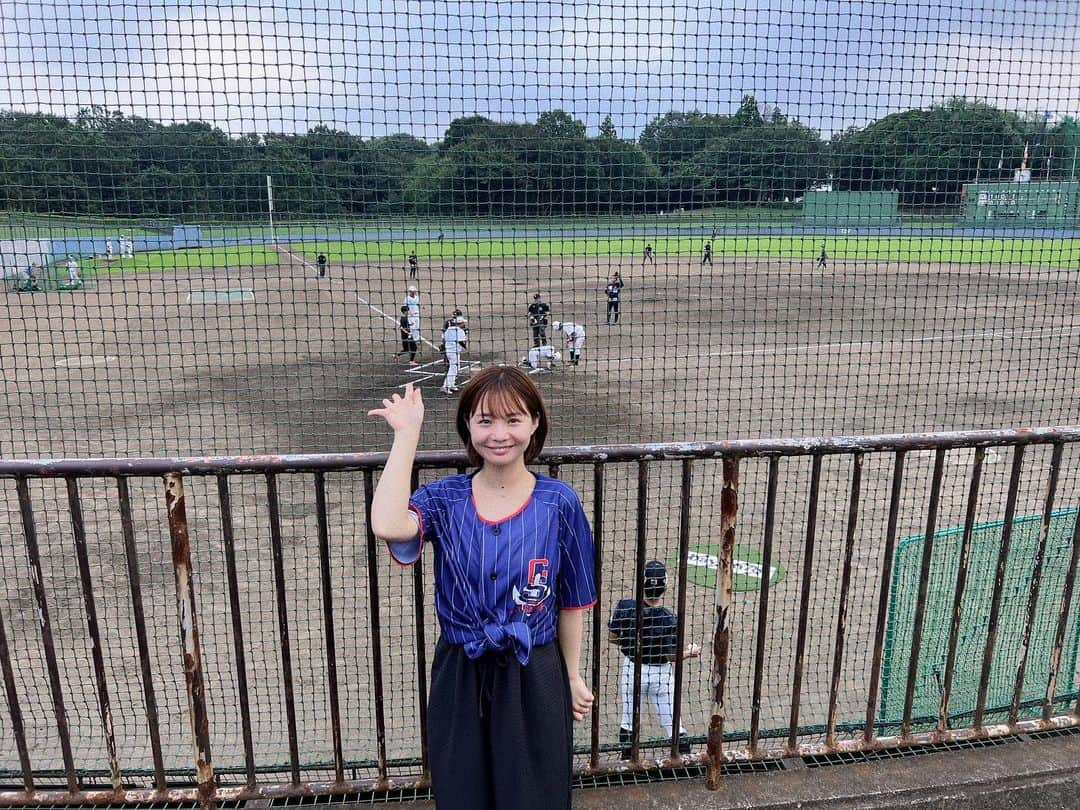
column 538, row 320
column 649, row 259
column 29, row 281
column 412, row 301
column 614, row 289
column 414, row 265
column 539, row 354
column 822, row 258
column 454, row 340
column 321, row 262
column 513, row 567
column 658, row 637
column 409, row 343
column 73, row 271
column 706, row 254
column 458, row 315
column 575, row 338
column 108, row 250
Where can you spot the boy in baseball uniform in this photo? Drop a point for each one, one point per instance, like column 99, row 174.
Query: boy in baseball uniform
column 575, row 338
column 658, row 637
column 73, row 271
column 454, row 341
column 412, row 301
column 539, row 355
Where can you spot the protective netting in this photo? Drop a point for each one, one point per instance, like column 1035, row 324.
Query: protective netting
column 889, row 192
column 751, row 219
column 817, row 647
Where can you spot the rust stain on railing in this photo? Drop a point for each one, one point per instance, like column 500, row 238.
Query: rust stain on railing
column 176, row 507
column 729, row 507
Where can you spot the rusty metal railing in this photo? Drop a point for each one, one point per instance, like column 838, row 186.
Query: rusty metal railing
column 802, row 503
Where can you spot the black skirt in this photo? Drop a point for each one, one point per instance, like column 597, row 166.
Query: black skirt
column 500, row 735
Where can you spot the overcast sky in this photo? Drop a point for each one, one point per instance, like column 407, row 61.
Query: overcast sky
column 373, row 67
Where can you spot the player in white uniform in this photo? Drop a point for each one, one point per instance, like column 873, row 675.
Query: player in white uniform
column 73, row 271
column 412, row 301
column 538, row 354
column 454, row 341
column 575, row 338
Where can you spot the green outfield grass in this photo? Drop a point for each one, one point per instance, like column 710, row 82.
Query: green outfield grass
column 939, row 249
column 191, row 259
column 928, row 250
column 1063, row 253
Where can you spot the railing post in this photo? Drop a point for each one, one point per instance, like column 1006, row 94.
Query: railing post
column 78, row 527
column 37, row 580
column 176, row 508
column 729, row 506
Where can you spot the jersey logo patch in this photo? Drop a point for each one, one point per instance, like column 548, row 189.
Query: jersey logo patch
column 531, row 598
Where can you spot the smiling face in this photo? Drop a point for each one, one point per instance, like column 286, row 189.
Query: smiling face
column 501, row 417
column 500, row 431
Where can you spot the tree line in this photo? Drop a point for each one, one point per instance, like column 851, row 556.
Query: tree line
column 109, row 164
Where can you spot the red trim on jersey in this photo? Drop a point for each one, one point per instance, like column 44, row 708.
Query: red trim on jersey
column 420, row 533
column 578, row 607
column 483, row 519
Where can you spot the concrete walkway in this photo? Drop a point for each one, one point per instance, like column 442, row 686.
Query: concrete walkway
column 1032, row 774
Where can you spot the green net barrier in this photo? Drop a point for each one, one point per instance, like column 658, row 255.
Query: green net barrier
column 975, row 611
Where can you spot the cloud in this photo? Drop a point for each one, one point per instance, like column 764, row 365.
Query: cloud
column 1024, row 77
column 414, row 65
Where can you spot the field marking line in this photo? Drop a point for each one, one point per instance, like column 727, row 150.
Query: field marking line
column 1006, row 333
column 359, row 297
column 82, row 361
column 1001, row 333
column 425, row 376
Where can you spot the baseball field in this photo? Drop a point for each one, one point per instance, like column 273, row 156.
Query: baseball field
column 248, row 350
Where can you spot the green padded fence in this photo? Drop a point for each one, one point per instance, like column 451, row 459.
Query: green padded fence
column 975, row 609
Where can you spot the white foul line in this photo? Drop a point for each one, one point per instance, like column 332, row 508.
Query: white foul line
column 808, row 347
column 1006, row 333
column 359, row 298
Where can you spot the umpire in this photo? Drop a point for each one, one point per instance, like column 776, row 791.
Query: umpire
column 539, row 312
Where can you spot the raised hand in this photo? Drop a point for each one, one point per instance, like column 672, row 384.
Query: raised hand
column 402, row 411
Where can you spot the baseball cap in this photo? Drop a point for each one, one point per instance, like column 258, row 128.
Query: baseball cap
column 412, row 288
column 655, row 574
column 556, row 325
column 536, row 295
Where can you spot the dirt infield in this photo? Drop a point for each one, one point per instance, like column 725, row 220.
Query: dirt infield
column 742, row 349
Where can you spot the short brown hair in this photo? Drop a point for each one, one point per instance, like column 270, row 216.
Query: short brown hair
column 504, row 388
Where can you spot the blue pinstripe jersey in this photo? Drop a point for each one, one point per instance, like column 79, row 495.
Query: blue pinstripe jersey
column 500, row 585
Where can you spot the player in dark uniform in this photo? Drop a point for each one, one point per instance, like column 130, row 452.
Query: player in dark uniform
column 648, row 256
column 821, row 260
column 614, row 289
column 408, row 343
column 457, row 315
column 414, row 265
column 706, row 254
column 538, row 320
column 321, row 262
column 658, row 638
column 513, row 581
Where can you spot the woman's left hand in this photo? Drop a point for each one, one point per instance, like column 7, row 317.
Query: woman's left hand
column 581, row 697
